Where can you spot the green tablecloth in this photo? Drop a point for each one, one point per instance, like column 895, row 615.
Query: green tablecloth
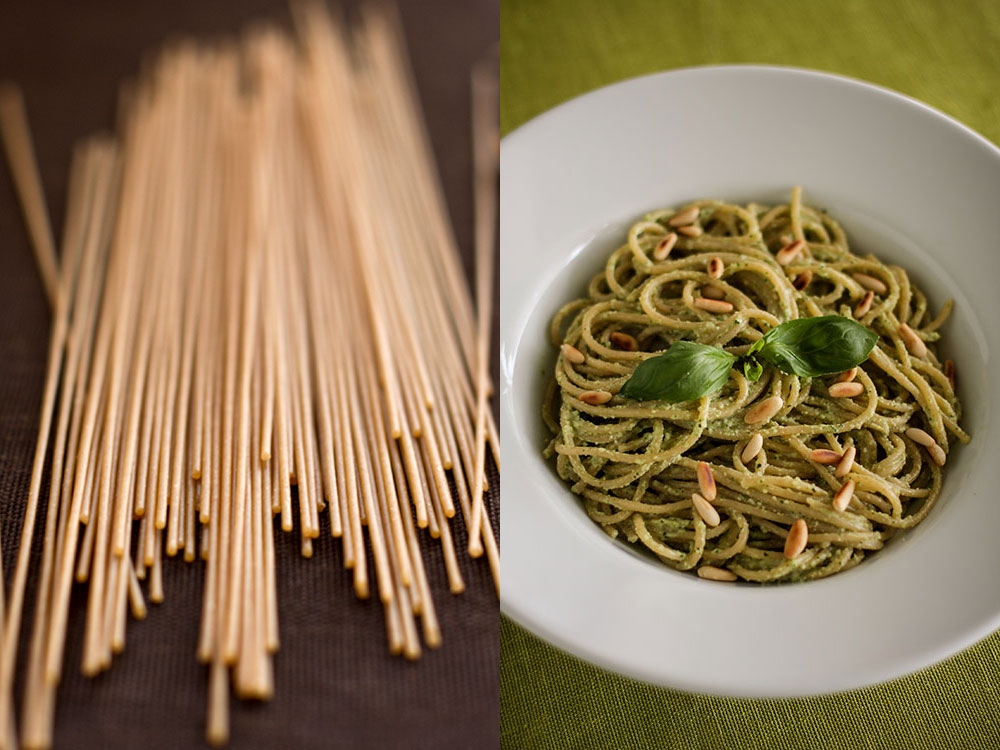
column 944, row 53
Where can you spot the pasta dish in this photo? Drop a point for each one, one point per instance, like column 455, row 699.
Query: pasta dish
column 743, row 396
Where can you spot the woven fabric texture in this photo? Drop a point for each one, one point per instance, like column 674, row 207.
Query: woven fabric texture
column 335, row 684
column 944, row 53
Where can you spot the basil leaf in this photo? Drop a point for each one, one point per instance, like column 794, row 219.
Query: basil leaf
column 817, row 346
column 685, row 371
column 751, row 367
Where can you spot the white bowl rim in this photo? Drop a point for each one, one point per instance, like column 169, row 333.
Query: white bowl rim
column 752, row 67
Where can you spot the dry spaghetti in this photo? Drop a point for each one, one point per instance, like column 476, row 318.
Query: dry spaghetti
column 260, row 317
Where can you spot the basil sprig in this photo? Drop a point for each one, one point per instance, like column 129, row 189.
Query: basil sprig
column 810, row 347
column 807, row 347
column 686, row 371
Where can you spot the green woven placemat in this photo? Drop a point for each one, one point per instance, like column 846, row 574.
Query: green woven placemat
column 944, row 53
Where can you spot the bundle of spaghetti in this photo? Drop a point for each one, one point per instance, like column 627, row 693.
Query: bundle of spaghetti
column 782, row 479
column 260, row 318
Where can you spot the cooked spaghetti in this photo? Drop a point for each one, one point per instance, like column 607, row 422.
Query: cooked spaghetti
column 800, row 477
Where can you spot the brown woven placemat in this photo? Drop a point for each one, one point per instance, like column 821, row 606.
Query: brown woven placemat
column 336, row 685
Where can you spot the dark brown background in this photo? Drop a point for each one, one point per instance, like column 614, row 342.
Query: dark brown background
column 336, row 686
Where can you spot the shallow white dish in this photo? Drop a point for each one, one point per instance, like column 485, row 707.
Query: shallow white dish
column 910, row 185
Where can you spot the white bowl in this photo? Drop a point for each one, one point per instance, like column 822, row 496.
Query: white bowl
column 910, row 185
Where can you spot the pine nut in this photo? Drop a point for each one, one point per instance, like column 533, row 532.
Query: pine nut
column 752, row 448
column 691, row 230
column 934, row 450
column 870, row 282
column 706, row 481
column 572, row 354
column 623, row 341
column 824, row 456
column 797, row 539
column 913, row 342
column 843, row 497
column 864, row 305
column 937, row 454
column 712, row 573
column 920, row 437
column 788, row 253
column 848, row 375
column 687, row 216
column 713, row 292
column 664, row 246
column 845, row 390
column 764, row 410
column 713, row 305
column 715, row 268
column 949, row 370
column 803, row 280
column 595, row 398
column 706, row 510
column 846, row 463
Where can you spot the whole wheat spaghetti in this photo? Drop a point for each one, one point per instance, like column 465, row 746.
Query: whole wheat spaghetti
column 260, row 320
column 782, row 479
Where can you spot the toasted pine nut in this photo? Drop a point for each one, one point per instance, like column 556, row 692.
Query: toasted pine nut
column 913, row 342
column 787, row 239
column 788, row 253
column 843, row 497
column 706, row 510
column 595, row 398
column 864, row 305
column 797, row 539
column 712, row 573
column 949, row 369
column 764, row 410
column 870, row 282
column 752, row 448
column 919, row 436
column 664, row 246
column 686, row 216
column 824, row 456
column 803, row 280
column 846, row 462
column 623, row 341
column 847, row 375
column 572, row 354
column 713, row 305
column 706, row 481
column 691, row 230
column 713, row 292
column 715, row 268
column 937, row 454
column 845, row 390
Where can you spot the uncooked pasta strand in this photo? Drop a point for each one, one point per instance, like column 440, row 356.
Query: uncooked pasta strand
column 16, row 137
column 86, row 174
column 484, row 126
